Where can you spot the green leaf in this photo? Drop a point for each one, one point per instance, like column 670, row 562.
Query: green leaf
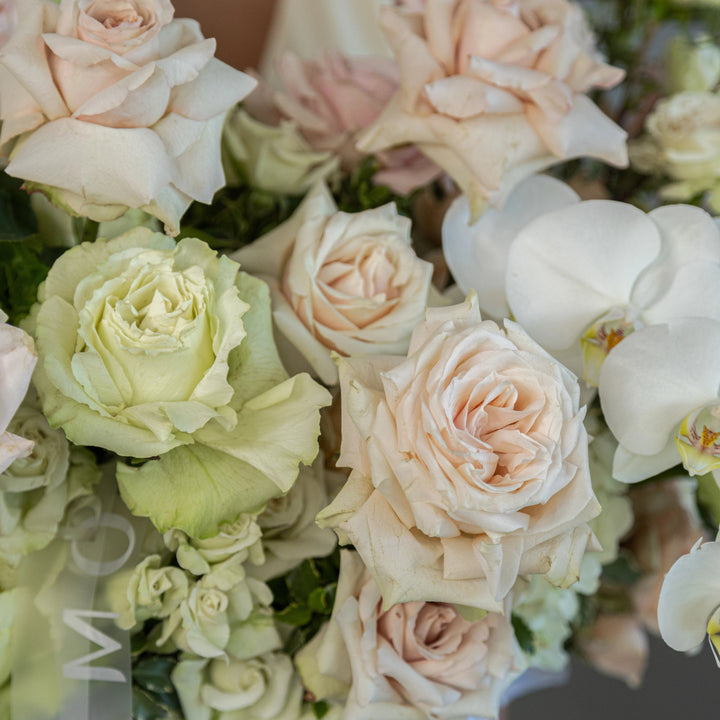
column 153, row 674
column 303, row 580
column 523, row 634
column 294, row 614
column 17, row 219
column 624, row 570
column 147, row 706
column 321, row 709
column 21, row 272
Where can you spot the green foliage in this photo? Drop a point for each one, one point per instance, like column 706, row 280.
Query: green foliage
column 304, row 598
column 22, row 269
column 357, row 192
column 237, row 217
column 321, row 709
column 17, row 219
column 154, row 696
column 523, row 634
column 623, row 570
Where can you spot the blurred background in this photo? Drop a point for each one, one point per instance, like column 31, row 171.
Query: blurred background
column 675, row 686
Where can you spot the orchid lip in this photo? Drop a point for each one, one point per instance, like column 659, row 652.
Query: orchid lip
column 599, row 339
column 698, row 440
column 713, row 633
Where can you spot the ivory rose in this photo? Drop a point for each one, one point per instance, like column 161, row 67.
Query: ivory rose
column 683, row 142
column 493, row 91
column 348, row 283
column 469, row 463
column 123, row 108
column 414, row 661
column 17, row 360
column 330, row 99
column 149, row 348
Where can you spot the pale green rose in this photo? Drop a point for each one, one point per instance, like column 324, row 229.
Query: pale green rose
column 7, row 615
column 692, row 65
column 150, row 348
column 236, row 542
column 289, row 532
column 276, row 159
column 214, row 620
column 37, row 490
column 260, row 688
column 148, row 591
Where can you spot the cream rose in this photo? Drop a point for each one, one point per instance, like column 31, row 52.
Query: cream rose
column 683, row 142
column 470, row 463
column 493, row 91
column 123, row 108
column 348, row 283
column 416, row 660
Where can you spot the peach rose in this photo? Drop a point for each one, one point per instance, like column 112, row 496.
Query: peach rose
column 340, row 282
column 470, row 464
column 416, row 660
column 330, row 99
column 493, row 91
column 112, row 104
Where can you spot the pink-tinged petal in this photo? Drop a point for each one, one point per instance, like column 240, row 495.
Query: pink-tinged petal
column 215, row 90
column 437, row 22
column 569, row 267
column 17, row 360
column 462, row 97
column 655, row 377
column 689, row 596
column 525, row 50
column 417, row 65
column 584, row 130
column 477, row 253
column 485, row 30
column 199, row 172
column 139, row 100
column 83, row 54
column 26, row 59
column 95, row 162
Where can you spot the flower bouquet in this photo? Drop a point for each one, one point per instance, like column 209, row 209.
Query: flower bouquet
column 318, row 399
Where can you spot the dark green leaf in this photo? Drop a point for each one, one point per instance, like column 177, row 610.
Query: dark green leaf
column 17, row 219
column 303, row 580
column 321, row 709
column 147, row 706
column 294, row 614
column 623, row 570
column 523, row 634
column 153, row 673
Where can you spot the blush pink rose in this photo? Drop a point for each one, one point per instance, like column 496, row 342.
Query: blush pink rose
column 348, row 283
column 494, row 91
column 414, row 661
column 112, row 104
column 469, row 463
column 331, row 98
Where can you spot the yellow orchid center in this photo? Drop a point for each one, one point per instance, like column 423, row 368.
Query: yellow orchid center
column 599, row 340
column 698, row 440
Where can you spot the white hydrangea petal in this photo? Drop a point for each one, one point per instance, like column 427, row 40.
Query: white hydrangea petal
column 477, row 254
column 569, row 267
column 690, row 594
column 655, row 377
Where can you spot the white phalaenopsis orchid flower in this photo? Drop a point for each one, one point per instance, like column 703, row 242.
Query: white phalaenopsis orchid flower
column 689, row 605
column 477, row 253
column 582, row 278
column 659, row 394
